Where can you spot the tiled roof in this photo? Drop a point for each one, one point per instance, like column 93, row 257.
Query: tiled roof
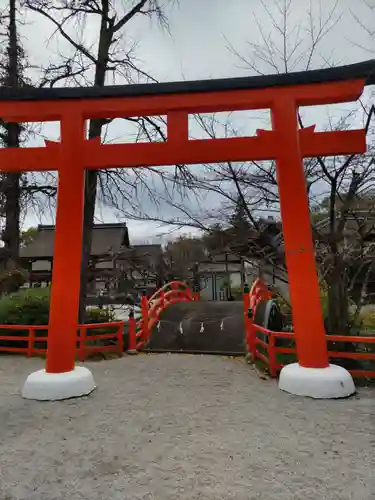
column 106, row 238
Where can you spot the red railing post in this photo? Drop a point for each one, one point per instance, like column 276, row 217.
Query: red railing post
column 30, row 344
column 188, row 294
column 132, row 338
column 252, row 335
column 272, row 355
column 144, row 310
column 162, row 299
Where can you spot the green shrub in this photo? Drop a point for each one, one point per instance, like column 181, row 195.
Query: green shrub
column 25, row 307
column 31, row 307
column 367, row 318
column 282, row 303
column 12, row 279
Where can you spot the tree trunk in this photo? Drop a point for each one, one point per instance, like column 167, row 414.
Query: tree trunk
column 91, row 176
column 338, row 318
column 11, row 234
column 91, row 181
column 338, row 305
column 11, row 183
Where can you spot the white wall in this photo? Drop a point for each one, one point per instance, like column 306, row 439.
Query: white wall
column 41, row 265
column 235, row 280
column 104, row 265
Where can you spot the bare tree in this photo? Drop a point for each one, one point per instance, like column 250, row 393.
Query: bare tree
column 341, row 181
column 366, row 23
column 11, row 67
column 19, row 192
column 289, row 45
column 15, row 191
column 113, row 55
column 336, row 186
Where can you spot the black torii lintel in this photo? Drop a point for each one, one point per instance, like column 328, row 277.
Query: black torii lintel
column 363, row 70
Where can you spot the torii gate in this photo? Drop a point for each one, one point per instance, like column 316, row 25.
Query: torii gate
column 286, row 144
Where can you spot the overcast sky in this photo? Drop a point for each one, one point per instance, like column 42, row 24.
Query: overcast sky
column 197, row 47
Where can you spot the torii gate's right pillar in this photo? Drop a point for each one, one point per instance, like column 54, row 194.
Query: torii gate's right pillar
column 313, row 375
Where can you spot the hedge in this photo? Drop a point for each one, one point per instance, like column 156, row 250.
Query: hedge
column 31, row 307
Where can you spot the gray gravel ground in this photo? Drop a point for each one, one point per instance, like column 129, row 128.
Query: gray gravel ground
column 171, row 427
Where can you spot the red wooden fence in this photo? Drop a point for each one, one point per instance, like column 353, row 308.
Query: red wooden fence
column 36, row 337
column 171, row 293
column 263, row 345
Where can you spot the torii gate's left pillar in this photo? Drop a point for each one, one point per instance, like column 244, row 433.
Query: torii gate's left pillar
column 62, row 379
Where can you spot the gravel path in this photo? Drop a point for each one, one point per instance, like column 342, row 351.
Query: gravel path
column 178, row 427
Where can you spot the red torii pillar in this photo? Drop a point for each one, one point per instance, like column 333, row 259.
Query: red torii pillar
column 62, row 379
column 69, row 221
column 285, row 143
column 298, row 241
column 313, row 375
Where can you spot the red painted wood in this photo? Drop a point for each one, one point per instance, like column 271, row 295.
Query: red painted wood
column 64, row 304
column 286, row 144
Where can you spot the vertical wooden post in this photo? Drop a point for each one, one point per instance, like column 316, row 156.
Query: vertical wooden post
column 63, row 317
column 177, row 127
column 272, row 355
column 144, row 310
column 253, row 346
column 162, row 299
column 132, row 335
column 299, row 248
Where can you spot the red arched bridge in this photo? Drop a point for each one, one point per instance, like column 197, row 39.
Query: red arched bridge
column 274, row 349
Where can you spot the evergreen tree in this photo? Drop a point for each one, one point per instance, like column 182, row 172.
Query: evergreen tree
column 239, row 220
column 12, row 66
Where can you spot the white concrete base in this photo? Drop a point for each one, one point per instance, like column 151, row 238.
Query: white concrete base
column 43, row 386
column 319, row 383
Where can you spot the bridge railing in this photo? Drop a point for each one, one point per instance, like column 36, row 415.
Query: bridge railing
column 151, row 309
column 276, row 349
